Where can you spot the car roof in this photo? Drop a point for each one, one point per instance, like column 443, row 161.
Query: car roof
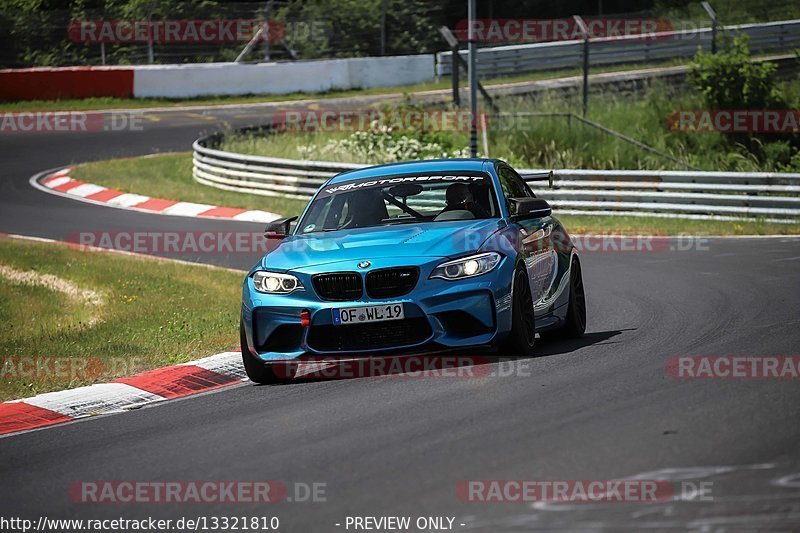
column 431, row 165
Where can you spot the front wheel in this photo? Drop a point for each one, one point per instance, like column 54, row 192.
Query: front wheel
column 522, row 336
column 575, row 322
column 257, row 370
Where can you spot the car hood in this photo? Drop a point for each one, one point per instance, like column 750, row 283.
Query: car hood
column 425, row 240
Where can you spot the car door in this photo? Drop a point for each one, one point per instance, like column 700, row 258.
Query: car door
column 535, row 243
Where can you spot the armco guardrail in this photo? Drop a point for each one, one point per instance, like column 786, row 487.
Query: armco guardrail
column 680, row 194
column 514, row 59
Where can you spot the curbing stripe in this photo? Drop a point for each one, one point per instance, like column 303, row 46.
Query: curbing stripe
column 93, row 400
column 187, row 209
column 87, row 189
column 18, row 416
column 131, row 392
column 67, row 185
column 105, row 195
column 57, row 180
column 60, row 182
column 127, row 200
column 226, row 363
column 222, row 212
column 155, row 204
column 178, row 381
column 256, row 216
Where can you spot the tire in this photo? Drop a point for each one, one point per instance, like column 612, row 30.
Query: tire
column 257, row 370
column 522, row 337
column 575, row 322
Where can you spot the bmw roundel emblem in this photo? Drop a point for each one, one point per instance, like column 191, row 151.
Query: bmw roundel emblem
column 364, row 264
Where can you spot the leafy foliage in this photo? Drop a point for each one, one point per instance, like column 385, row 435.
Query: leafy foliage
column 730, row 80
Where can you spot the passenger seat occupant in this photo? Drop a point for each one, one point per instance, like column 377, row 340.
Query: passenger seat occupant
column 459, row 198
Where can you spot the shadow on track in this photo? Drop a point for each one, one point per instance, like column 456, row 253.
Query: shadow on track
column 545, row 348
column 423, row 366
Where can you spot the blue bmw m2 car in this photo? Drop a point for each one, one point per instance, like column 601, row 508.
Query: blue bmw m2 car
column 410, row 258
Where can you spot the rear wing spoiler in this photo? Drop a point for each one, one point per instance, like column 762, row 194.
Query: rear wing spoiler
column 540, row 176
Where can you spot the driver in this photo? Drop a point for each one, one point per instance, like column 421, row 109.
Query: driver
column 459, row 197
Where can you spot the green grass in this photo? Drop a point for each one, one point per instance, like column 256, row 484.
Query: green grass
column 169, row 176
column 556, row 142
column 149, row 316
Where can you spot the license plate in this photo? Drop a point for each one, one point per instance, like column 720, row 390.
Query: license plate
column 364, row 315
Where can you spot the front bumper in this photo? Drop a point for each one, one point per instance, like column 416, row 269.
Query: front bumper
column 439, row 315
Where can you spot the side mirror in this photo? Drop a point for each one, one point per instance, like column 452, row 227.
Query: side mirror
column 524, row 208
column 279, row 229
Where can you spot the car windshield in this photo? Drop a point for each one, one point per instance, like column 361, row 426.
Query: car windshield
column 390, row 200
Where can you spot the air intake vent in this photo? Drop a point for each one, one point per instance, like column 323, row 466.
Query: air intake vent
column 338, row 286
column 391, row 282
column 378, row 335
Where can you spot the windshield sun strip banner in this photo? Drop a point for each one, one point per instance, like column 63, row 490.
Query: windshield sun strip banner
column 366, row 183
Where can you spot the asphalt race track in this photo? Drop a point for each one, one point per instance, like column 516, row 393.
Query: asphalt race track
column 601, row 408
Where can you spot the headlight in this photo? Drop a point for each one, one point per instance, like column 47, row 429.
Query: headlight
column 467, row 267
column 275, row 283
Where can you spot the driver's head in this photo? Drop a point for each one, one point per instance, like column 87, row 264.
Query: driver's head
column 458, row 195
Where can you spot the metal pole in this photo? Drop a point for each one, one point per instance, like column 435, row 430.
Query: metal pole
column 485, row 135
column 585, row 75
column 456, row 72
column 712, row 14
column 103, row 52
column 249, row 46
column 585, row 30
column 473, row 83
column 150, row 54
column 454, row 46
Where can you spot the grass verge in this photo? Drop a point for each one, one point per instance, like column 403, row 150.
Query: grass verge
column 146, row 316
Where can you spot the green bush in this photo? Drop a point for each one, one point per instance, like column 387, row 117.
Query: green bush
column 730, row 80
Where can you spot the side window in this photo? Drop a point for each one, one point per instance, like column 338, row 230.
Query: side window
column 512, row 184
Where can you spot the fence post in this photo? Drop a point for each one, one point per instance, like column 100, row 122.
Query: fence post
column 712, row 14
column 585, row 31
column 452, row 40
